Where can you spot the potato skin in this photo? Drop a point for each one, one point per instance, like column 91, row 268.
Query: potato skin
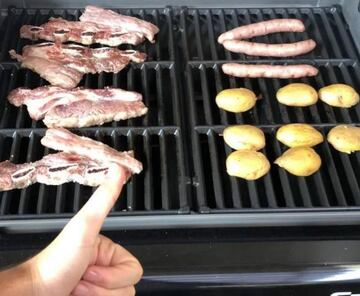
column 297, row 95
column 236, row 100
column 299, row 135
column 247, row 164
column 244, row 136
column 345, row 138
column 339, row 95
column 300, row 161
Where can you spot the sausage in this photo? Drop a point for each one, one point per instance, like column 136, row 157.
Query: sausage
column 263, row 28
column 270, row 50
column 269, row 71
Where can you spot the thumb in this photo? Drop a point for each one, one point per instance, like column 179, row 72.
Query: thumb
column 85, row 226
column 64, row 261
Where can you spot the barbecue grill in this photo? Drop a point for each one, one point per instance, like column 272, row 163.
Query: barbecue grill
column 184, row 186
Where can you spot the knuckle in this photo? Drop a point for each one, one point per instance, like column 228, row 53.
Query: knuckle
column 130, row 291
column 139, row 271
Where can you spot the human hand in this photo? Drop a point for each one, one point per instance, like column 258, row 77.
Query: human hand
column 80, row 261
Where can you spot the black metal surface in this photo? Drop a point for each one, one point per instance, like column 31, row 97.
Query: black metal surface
column 336, row 185
column 178, row 140
column 225, row 259
column 159, row 188
column 325, row 25
column 162, row 50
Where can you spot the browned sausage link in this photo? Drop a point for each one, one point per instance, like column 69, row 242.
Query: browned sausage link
column 269, row 71
column 263, row 28
column 270, row 50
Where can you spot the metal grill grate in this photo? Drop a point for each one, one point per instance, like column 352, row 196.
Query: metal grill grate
column 159, row 188
column 162, row 50
column 205, row 80
column 336, row 185
column 326, row 26
column 178, row 140
column 155, row 81
column 156, row 138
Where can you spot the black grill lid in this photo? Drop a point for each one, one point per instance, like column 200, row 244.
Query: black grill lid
column 184, row 183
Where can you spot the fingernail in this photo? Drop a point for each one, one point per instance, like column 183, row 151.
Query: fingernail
column 91, row 276
column 81, row 290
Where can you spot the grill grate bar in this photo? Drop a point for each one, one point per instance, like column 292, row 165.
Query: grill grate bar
column 319, row 185
column 352, row 180
column 339, row 25
column 284, row 178
column 254, row 198
column 145, row 88
column 160, row 96
column 317, row 34
column 214, row 156
column 330, row 34
column 164, row 172
column 59, row 199
column 212, row 37
column 334, row 176
column 148, row 179
column 305, row 194
column 198, row 34
column 130, row 206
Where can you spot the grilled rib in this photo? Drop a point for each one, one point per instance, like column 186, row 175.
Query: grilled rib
column 64, row 140
column 64, row 65
column 78, row 107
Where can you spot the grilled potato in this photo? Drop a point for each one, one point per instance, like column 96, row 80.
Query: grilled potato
column 297, row 95
column 247, row 164
column 244, row 136
column 339, row 95
column 299, row 135
column 299, row 161
column 236, row 99
column 345, row 138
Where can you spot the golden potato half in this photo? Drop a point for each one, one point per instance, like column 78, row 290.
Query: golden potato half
column 300, row 161
column 299, row 135
column 297, row 95
column 339, row 95
column 236, row 100
column 244, row 136
column 345, row 138
column 247, row 164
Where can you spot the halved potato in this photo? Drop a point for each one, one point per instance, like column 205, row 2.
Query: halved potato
column 297, row 95
column 244, row 136
column 339, row 95
column 345, row 138
column 247, row 164
column 300, row 161
column 236, row 99
column 299, row 135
